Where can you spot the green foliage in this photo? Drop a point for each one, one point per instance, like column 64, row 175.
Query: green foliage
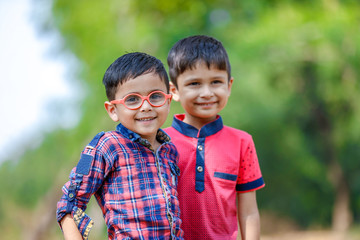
column 296, row 90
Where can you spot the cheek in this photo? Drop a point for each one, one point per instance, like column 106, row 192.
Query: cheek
column 188, row 91
column 126, row 114
column 188, row 96
column 164, row 110
column 223, row 93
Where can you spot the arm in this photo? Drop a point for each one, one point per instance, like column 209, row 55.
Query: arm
column 248, row 216
column 70, row 230
column 85, row 180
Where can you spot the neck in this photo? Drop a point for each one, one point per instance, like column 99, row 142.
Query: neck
column 155, row 145
column 198, row 122
column 153, row 142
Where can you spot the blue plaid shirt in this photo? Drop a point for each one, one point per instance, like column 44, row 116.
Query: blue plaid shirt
column 134, row 186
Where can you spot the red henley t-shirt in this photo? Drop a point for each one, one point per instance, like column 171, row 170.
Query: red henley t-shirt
column 215, row 163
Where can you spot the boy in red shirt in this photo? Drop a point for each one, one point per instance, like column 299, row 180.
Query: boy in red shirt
column 217, row 163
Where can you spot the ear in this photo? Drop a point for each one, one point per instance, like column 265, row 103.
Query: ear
column 230, row 85
column 174, row 92
column 111, row 110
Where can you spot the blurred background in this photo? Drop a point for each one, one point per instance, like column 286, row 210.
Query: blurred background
column 296, row 91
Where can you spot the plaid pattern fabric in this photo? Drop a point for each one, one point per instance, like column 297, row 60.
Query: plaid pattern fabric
column 135, row 187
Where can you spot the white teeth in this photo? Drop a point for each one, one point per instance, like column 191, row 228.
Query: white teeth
column 205, row 104
column 145, row 119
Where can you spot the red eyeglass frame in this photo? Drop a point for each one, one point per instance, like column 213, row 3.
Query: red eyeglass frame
column 122, row 101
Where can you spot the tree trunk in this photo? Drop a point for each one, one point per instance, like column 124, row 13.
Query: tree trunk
column 322, row 123
column 341, row 215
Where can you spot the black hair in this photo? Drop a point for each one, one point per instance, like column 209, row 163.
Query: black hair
column 132, row 65
column 188, row 52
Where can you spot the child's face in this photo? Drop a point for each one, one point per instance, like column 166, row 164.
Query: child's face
column 203, row 93
column 147, row 119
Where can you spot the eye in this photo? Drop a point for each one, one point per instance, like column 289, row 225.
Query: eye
column 132, row 100
column 157, row 97
column 217, row 81
column 193, row 84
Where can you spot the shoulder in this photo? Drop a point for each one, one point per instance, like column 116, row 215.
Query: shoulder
column 236, row 133
column 107, row 141
column 171, row 148
column 169, row 152
column 173, row 133
column 169, row 130
column 169, row 145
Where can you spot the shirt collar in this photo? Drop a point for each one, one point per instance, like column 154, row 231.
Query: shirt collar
column 161, row 136
column 190, row 131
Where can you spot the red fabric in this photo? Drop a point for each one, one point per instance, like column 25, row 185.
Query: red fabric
column 230, row 162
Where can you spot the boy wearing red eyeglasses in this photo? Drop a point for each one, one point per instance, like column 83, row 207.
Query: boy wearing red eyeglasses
column 132, row 171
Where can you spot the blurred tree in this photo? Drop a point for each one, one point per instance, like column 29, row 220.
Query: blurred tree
column 310, row 61
column 296, row 91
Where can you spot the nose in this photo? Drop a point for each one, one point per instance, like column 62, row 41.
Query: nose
column 145, row 106
column 206, row 92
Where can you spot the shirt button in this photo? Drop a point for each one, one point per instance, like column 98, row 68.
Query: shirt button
column 200, row 148
column 130, row 136
column 200, row 169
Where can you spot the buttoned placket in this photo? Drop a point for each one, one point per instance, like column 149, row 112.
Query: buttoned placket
column 164, row 186
column 166, row 192
column 200, row 165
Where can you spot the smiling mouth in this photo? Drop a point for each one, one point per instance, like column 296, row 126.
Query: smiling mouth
column 206, row 104
column 145, row 119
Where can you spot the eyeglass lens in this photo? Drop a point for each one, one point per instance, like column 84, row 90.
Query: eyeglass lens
column 155, row 98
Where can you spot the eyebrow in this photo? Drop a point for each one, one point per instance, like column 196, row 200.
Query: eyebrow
column 219, row 76
column 153, row 90
column 199, row 78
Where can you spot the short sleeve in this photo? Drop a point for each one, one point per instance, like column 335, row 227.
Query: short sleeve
column 249, row 176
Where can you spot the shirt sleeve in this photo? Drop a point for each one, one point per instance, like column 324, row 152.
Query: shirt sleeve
column 249, row 177
column 85, row 179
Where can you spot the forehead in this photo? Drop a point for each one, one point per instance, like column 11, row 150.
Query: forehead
column 142, row 84
column 202, row 71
